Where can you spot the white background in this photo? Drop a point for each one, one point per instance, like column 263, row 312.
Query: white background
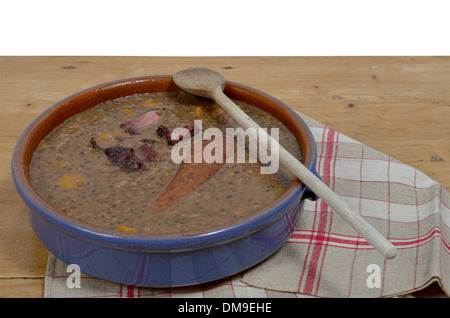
column 224, row 28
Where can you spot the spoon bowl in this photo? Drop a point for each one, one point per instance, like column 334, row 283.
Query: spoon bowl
column 200, row 81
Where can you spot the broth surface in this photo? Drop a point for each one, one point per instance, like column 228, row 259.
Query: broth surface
column 71, row 171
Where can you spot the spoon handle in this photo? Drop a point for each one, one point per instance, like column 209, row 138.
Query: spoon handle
column 367, row 231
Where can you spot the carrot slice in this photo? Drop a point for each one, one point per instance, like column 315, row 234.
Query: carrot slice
column 72, row 180
column 217, row 112
column 199, row 110
column 149, row 102
column 126, row 110
column 125, row 229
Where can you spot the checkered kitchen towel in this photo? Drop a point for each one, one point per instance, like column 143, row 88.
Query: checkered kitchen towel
column 325, row 257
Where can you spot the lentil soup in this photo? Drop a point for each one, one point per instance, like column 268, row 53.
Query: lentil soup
column 108, row 165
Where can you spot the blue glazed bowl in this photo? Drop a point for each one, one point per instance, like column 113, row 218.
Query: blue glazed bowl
column 171, row 260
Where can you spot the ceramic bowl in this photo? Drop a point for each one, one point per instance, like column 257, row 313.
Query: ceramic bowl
column 161, row 261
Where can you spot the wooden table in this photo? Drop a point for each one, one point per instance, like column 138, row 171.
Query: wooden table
column 397, row 105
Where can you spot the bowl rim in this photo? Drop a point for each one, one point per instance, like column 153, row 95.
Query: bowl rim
column 137, row 241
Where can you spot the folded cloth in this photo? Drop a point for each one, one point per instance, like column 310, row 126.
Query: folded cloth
column 325, row 257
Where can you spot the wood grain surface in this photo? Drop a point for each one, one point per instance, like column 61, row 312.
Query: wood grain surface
column 397, row 105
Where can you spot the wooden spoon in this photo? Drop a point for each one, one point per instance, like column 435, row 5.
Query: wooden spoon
column 210, row 84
